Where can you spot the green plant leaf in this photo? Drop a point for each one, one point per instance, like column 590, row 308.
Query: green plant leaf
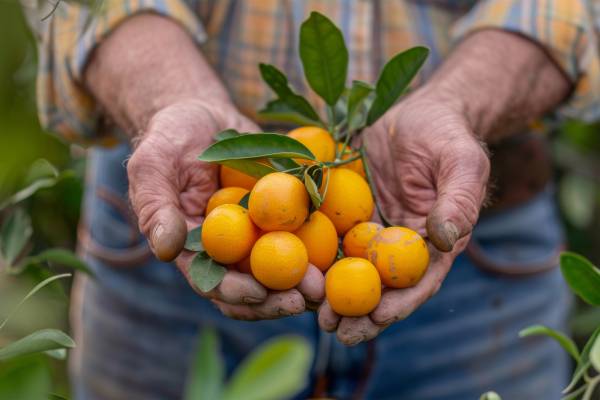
column 284, row 164
column 40, row 341
column 244, row 200
column 357, row 96
column 62, row 257
column 193, row 240
column 260, row 145
column 54, row 396
column 40, row 169
column 313, row 190
column 286, row 111
column 394, row 79
column 566, row 342
column 59, row 354
column 490, row 396
column 226, row 134
column 14, row 236
column 205, row 380
column 584, row 361
column 595, row 354
column 206, row 273
column 287, row 100
column 277, row 369
column 26, row 378
column 324, row 57
column 249, row 167
column 33, row 291
column 582, row 276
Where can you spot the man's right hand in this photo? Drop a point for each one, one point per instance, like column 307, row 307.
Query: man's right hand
column 169, row 189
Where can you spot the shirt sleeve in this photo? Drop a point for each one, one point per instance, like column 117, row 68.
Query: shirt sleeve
column 565, row 28
column 66, row 41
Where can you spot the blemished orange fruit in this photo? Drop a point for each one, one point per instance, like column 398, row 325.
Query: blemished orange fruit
column 279, row 260
column 352, row 287
column 278, row 202
column 348, row 200
column 228, row 233
column 356, row 241
column 318, row 141
column 356, row 165
column 229, row 177
column 400, row 255
column 228, row 195
column 320, row 239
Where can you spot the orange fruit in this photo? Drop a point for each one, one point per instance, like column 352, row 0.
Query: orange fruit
column 400, row 255
column 228, row 233
column 228, row 195
column 320, row 239
column 352, row 287
column 317, row 140
column 358, row 238
column 229, row 177
column 278, row 202
column 279, row 260
column 348, row 200
column 356, row 165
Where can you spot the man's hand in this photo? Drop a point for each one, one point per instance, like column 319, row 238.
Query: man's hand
column 429, row 164
column 153, row 81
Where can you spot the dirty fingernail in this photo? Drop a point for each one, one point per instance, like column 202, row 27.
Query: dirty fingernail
column 450, row 235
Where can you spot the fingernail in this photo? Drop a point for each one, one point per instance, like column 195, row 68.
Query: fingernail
column 250, row 299
column 159, row 230
column 283, row 312
column 450, row 233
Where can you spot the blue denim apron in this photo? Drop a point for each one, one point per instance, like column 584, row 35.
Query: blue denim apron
column 137, row 324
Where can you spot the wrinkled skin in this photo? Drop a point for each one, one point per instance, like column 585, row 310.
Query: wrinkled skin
column 169, row 189
column 431, row 174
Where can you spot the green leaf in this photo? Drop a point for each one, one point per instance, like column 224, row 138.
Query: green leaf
column 14, row 236
column 62, row 257
column 394, row 79
column 584, row 361
column 287, row 111
column 277, row 369
column 249, row 167
column 193, row 240
column 40, row 169
column 324, row 57
column 313, row 190
column 582, row 276
column 33, row 291
column 244, row 200
column 28, row 191
column 563, row 340
column 284, row 164
column 490, row 396
column 59, row 354
column 27, row 378
column 54, row 396
column 206, row 377
column 259, row 145
column 287, row 100
column 595, row 354
column 37, row 342
column 359, row 93
column 226, row 134
column 206, row 273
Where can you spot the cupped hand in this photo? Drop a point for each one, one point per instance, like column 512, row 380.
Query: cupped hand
column 169, row 189
column 431, row 174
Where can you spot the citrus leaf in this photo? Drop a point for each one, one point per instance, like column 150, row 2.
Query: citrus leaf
column 563, row 340
column 278, row 369
column 595, row 354
column 284, row 164
column 54, row 396
column 286, row 111
column 394, row 79
column 40, row 169
column 287, row 99
column 62, row 257
column 206, row 377
column 249, row 167
column 59, row 354
column 206, row 273
column 14, row 236
column 359, row 92
column 258, row 145
column 324, row 57
column 28, row 191
column 584, row 361
column 193, row 240
column 37, row 342
column 582, row 276
column 244, row 200
column 313, row 190
column 226, row 134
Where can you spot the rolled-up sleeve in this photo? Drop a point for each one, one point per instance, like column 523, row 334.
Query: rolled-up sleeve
column 66, row 41
column 565, row 28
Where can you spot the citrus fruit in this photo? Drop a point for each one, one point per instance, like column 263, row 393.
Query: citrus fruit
column 229, row 177
column 228, row 233
column 356, row 165
column 279, row 260
column 352, row 287
column 358, row 238
column 228, row 195
column 348, row 200
column 317, row 140
column 278, row 202
column 400, row 255
column 320, row 239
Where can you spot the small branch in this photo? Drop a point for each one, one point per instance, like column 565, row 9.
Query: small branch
column 343, row 162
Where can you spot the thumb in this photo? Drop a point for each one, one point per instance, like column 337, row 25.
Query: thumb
column 155, row 199
column 462, row 175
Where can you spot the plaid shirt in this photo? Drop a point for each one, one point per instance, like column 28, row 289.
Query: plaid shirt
column 236, row 35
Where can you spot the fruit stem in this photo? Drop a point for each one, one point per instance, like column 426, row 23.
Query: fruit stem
column 343, row 162
column 363, row 155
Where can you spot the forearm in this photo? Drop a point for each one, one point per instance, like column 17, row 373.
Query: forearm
column 145, row 65
column 500, row 82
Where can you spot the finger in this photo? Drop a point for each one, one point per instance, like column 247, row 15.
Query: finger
column 276, row 305
column 352, row 331
column 328, row 319
column 462, row 175
column 312, row 286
